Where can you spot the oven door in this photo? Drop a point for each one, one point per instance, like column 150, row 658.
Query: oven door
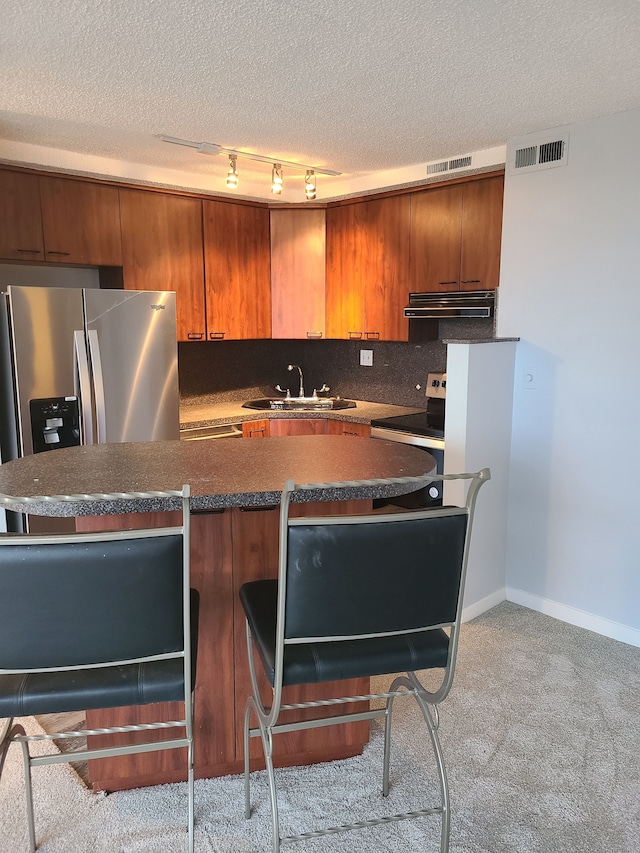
column 431, row 495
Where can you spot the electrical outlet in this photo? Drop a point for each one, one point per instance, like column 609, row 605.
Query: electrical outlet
column 436, row 385
column 366, row 357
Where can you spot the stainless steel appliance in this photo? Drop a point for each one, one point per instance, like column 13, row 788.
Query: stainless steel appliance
column 422, row 429
column 86, row 366
column 453, row 304
column 205, row 433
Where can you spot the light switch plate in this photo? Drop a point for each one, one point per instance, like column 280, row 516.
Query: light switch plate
column 366, row 357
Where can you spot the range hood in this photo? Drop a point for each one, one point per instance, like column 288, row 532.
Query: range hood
column 439, row 306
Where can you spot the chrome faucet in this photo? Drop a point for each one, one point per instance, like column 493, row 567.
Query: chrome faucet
column 292, row 367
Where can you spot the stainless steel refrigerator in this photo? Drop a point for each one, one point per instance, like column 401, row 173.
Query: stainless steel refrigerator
column 86, row 366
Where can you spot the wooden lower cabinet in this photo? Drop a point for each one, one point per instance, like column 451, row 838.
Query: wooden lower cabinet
column 227, row 549
column 335, row 427
column 268, row 427
column 255, row 557
column 256, row 429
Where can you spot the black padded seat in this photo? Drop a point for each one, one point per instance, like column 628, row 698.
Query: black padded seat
column 28, row 694
column 317, row 662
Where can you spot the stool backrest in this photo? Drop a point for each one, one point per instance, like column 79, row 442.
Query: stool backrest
column 373, row 575
column 89, row 599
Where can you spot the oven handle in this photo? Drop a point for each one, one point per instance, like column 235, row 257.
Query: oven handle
column 408, row 438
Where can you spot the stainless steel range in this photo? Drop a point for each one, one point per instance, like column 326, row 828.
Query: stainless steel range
column 422, row 429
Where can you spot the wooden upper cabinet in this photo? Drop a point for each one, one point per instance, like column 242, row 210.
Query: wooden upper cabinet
column 162, row 250
column 344, row 284
column 20, row 217
column 297, row 274
column 237, row 271
column 456, row 234
column 81, row 222
column 367, row 264
column 481, row 234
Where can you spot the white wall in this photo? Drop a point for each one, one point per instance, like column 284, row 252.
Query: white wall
column 570, row 288
column 478, row 435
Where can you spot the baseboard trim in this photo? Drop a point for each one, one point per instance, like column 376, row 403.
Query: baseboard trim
column 470, row 611
column 575, row 616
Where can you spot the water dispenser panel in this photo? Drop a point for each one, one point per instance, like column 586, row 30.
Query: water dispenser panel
column 55, row 423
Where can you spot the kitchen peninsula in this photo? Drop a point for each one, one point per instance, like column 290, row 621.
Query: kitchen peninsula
column 235, row 488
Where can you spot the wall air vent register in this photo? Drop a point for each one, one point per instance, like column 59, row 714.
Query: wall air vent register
column 449, row 165
column 532, row 154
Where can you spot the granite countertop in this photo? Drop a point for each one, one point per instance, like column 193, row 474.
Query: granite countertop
column 199, row 414
column 226, row 472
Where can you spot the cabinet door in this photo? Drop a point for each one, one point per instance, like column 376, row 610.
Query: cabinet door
column 297, row 273
column 297, row 426
column 20, row 218
column 344, row 282
column 162, row 250
column 81, row 222
column 348, row 428
column 214, row 707
column 255, row 557
column 456, row 233
column 386, row 229
column 436, row 232
column 256, row 429
column 367, row 269
column 481, row 234
column 237, row 271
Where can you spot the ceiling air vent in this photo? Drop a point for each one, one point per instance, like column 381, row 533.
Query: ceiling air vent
column 460, row 163
column 449, row 165
column 435, row 168
column 541, row 155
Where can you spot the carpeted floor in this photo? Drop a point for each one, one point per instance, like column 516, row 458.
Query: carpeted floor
column 541, row 736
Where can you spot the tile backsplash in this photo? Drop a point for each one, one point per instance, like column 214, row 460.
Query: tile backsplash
column 242, row 370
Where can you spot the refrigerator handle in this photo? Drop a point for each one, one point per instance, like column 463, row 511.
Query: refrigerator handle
column 98, row 386
column 84, row 385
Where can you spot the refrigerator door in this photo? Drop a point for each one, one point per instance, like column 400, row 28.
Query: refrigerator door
column 134, row 364
column 42, row 321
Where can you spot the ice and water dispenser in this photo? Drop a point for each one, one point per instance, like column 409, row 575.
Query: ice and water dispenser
column 55, row 423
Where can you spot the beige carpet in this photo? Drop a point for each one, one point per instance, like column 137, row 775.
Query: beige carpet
column 542, row 740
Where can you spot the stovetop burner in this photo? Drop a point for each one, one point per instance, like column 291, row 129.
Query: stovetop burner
column 421, row 423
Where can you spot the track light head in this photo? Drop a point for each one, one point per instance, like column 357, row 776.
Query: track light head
column 310, row 185
column 276, row 179
column 232, row 174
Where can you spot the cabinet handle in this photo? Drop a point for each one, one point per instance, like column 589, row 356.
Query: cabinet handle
column 348, row 432
column 216, row 336
column 254, row 432
column 355, row 335
column 57, row 253
column 373, row 336
column 470, row 281
column 314, row 334
column 31, row 251
column 447, row 282
column 259, row 508
column 195, row 336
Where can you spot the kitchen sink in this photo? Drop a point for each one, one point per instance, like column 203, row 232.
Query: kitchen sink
column 300, row 404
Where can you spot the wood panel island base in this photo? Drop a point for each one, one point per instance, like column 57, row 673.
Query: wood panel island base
column 234, row 538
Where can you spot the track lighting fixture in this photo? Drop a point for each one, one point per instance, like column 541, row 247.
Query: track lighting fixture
column 311, row 172
column 276, row 179
column 232, row 174
column 310, row 185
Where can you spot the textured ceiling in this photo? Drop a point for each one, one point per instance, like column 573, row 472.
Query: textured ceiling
column 357, row 86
